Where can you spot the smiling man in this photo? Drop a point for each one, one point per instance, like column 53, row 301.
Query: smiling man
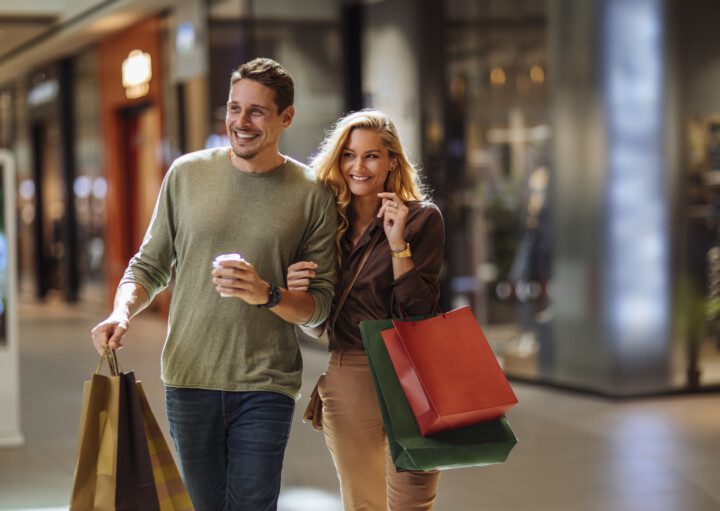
column 231, row 361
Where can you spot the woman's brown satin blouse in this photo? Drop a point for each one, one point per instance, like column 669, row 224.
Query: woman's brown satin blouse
column 376, row 295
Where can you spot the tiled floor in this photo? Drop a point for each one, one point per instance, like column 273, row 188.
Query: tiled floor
column 574, row 452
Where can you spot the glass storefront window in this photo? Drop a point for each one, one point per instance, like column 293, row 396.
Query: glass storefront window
column 89, row 185
column 497, row 143
column 26, row 197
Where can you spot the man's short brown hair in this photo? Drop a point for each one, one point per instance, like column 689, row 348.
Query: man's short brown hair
column 270, row 74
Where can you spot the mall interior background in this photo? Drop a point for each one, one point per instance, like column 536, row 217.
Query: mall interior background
column 573, row 147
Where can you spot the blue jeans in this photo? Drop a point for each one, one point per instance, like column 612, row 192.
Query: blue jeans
column 230, row 445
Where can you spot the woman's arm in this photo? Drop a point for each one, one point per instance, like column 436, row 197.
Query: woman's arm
column 417, row 290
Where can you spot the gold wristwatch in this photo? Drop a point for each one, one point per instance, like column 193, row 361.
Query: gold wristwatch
column 402, row 254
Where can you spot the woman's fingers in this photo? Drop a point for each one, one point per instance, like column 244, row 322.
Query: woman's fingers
column 388, row 195
column 302, row 265
column 298, row 285
column 300, row 274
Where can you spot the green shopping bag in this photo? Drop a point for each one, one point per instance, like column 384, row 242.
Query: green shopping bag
column 486, row 443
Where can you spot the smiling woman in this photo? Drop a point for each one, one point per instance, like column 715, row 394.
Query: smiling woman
column 365, row 144
column 390, row 246
column 365, row 163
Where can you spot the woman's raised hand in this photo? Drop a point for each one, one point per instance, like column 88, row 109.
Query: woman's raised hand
column 394, row 213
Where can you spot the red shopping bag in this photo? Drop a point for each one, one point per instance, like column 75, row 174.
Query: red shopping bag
column 448, row 371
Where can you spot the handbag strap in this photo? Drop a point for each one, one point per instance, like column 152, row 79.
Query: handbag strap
column 364, row 259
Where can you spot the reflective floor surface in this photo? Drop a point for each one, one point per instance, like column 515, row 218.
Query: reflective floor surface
column 575, row 452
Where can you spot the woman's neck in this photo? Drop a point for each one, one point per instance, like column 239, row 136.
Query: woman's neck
column 364, row 209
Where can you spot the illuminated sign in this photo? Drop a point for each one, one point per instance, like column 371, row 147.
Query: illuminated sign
column 136, row 74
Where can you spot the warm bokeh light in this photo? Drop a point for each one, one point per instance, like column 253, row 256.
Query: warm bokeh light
column 537, row 75
column 497, row 76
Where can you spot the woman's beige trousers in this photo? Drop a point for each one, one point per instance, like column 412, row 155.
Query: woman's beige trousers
column 354, row 433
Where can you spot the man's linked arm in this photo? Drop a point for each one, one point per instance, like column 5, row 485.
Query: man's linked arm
column 312, row 307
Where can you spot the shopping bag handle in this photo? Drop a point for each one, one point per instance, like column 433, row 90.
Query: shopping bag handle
column 113, row 363
column 404, row 316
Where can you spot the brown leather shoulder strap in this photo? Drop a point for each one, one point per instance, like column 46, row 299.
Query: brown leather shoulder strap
column 364, row 259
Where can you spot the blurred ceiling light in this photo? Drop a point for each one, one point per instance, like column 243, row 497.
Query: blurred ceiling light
column 503, row 290
column 99, row 188
column 185, row 37
column 136, row 74
column 497, row 76
column 43, row 92
column 537, row 75
column 26, row 189
column 434, row 132
column 82, row 187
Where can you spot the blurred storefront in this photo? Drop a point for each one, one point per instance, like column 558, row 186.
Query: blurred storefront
column 132, row 113
column 498, row 146
column 46, row 120
column 558, row 154
column 50, row 119
column 582, row 143
column 696, row 194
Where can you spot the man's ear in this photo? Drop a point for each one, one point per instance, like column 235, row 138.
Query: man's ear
column 287, row 116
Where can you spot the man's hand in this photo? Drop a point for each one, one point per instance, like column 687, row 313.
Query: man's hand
column 239, row 279
column 109, row 333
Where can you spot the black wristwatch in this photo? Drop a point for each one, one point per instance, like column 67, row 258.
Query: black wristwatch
column 273, row 297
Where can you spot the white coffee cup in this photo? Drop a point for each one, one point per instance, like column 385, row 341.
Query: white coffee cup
column 226, row 257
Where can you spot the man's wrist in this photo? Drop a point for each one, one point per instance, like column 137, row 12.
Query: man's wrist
column 273, row 297
column 120, row 316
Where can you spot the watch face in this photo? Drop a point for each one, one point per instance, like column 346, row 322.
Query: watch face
column 273, row 297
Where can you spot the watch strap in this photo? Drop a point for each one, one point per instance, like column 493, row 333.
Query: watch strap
column 273, row 297
column 402, row 254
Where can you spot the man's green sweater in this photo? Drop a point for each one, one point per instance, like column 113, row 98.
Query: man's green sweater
column 207, row 207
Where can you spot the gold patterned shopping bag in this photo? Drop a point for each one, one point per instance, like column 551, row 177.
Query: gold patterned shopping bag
column 171, row 491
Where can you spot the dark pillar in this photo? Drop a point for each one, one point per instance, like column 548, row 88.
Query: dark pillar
column 351, row 27
column 71, row 261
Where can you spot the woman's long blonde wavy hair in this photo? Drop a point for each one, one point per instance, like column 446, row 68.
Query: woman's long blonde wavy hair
column 404, row 180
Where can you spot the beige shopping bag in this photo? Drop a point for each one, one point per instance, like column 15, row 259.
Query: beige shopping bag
column 96, row 470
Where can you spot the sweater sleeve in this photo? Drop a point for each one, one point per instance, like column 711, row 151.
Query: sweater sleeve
column 319, row 247
column 151, row 267
column 418, row 290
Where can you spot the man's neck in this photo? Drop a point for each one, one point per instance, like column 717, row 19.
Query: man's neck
column 259, row 164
